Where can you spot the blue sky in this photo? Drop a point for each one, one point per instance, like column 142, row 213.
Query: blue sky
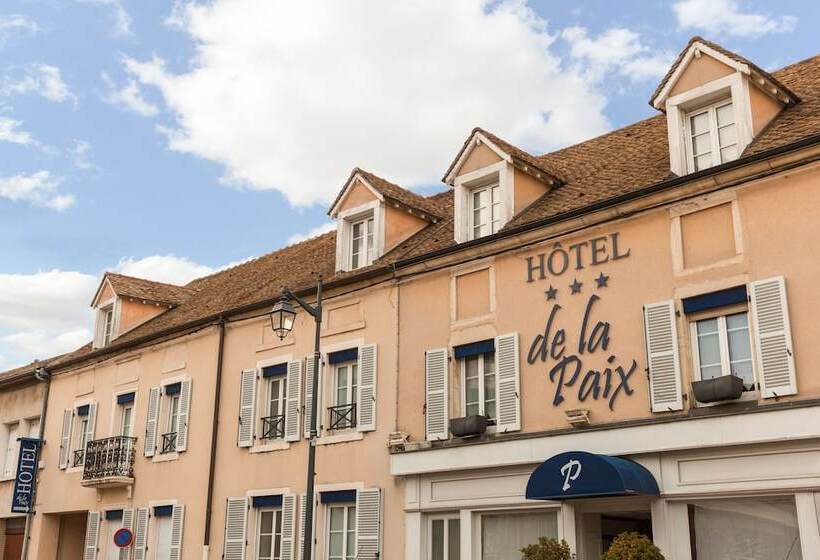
column 169, row 139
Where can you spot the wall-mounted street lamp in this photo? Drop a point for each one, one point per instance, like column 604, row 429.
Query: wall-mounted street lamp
column 282, row 317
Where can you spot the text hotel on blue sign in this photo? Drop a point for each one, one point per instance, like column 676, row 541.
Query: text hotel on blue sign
column 27, row 461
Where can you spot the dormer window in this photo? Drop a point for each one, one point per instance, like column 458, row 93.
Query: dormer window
column 107, row 320
column 711, row 135
column 486, row 209
column 361, row 243
column 106, row 327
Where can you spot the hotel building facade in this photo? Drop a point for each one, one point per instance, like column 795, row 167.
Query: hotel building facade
column 614, row 336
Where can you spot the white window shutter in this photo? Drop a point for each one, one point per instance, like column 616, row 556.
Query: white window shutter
column 660, row 328
column 437, row 409
column 92, row 421
column 288, row 526
column 127, row 523
column 151, row 421
column 368, row 523
column 140, row 534
column 92, row 534
column 366, row 399
column 508, row 382
column 65, row 438
column 236, row 518
column 247, row 407
column 177, row 525
column 773, row 337
column 184, row 414
column 309, row 396
column 303, row 501
column 294, row 399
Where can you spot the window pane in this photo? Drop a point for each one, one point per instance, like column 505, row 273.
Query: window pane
column 503, row 536
column 727, row 136
column 472, row 390
column 728, row 154
column 710, row 372
column 703, row 162
column 264, row 546
column 337, row 519
column 739, row 346
column 707, row 326
column 437, row 539
column 453, row 539
column 744, row 371
column 725, row 114
column 737, row 321
column 266, row 522
column 336, row 544
column 750, row 529
column 701, row 144
column 699, row 123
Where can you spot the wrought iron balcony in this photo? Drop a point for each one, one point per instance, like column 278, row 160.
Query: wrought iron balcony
column 343, row 417
column 273, row 427
column 109, row 462
column 169, row 443
column 79, row 458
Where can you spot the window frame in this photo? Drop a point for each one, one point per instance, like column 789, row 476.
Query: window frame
column 482, row 401
column 11, row 451
column 493, row 188
column 346, row 219
column 725, row 366
column 351, row 390
column 346, row 532
column 364, row 244
column 257, row 535
column 122, row 408
column 445, row 518
column 714, row 127
column 501, row 173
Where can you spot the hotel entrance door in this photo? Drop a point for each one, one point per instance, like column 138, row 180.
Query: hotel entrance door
column 599, row 522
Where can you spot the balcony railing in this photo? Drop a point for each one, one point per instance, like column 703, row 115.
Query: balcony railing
column 79, row 458
column 273, row 427
column 169, row 443
column 109, row 461
column 343, row 417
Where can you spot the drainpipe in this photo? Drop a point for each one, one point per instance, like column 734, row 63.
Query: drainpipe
column 206, row 545
column 42, row 374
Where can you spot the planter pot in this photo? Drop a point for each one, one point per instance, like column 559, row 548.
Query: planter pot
column 474, row 425
column 723, row 388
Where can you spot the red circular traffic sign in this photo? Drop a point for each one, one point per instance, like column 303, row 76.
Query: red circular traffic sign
column 123, row 538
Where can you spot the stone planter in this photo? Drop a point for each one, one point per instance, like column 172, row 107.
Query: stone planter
column 467, row 426
column 723, row 388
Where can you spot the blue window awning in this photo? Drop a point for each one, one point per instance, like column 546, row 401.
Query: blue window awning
column 338, row 497
column 125, row 398
column 163, row 511
column 273, row 500
column 173, row 389
column 82, row 410
column 113, row 515
column 474, row 348
column 275, row 371
column 714, row 300
column 578, row 474
column 343, row 356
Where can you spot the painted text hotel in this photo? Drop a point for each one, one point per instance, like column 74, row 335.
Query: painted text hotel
column 617, row 336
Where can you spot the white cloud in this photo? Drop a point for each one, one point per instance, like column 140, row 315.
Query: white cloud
column 728, row 17
column 291, row 95
column 41, row 79
column 122, row 21
column 163, row 268
column 315, row 232
column 616, row 50
column 10, row 23
column 129, row 97
column 81, row 156
column 38, row 189
column 10, row 132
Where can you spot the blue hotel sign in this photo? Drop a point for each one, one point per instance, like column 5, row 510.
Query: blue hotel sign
column 26, row 478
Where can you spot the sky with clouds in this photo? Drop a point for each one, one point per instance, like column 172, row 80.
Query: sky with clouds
column 167, row 140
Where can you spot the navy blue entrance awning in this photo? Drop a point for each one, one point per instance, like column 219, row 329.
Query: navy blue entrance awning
column 578, row 474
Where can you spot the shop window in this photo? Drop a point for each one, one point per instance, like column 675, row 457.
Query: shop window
column 10, row 462
column 744, row 528
column 722, row 346
column 269, row 534
column 341, row 537
column 478, row 380
column 503, row 535
column 343, row 411
column 445, row 538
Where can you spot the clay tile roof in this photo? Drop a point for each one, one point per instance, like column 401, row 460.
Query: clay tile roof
column 734, row 56
column 393, row 192
column 513, row 151
column 149, row 290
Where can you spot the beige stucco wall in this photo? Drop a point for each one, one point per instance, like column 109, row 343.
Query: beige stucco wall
column 480, row 156
column 183, row 479
column 133, row 313
column 357, row 194
column 770, row 244
column 700, row 71
column 764, row 108
column 399, row 225
column 528, row 189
